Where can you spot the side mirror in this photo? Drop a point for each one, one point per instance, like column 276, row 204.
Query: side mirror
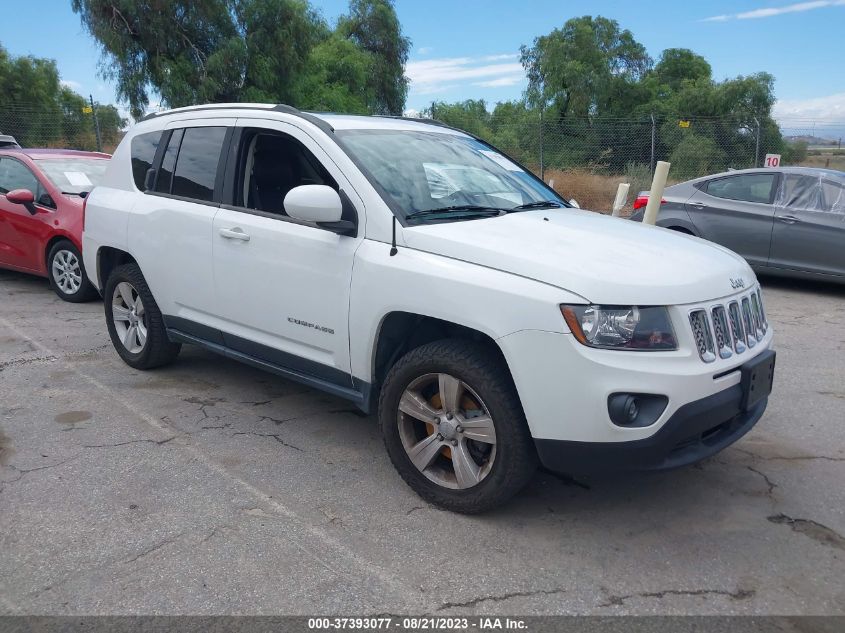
column 319, row 204
column 24, row 197
column 574, row 203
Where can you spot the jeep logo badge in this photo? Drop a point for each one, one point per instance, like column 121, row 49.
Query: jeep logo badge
column 737, row 283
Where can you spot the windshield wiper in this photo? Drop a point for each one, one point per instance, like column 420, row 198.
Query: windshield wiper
column 81, row 194
column 541, row 204
column 468, row 208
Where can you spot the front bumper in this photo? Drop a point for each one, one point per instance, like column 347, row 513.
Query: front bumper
column 694, row 432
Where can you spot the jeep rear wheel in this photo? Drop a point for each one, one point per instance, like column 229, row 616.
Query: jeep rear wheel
column 454, row 428
column 135, row 324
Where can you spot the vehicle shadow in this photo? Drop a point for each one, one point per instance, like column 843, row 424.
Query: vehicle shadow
column 795, row 284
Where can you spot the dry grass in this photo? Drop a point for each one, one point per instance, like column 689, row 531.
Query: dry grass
column 828, row 160
column 595, row 192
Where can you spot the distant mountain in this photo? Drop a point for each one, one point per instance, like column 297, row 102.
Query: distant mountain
column 813, row 141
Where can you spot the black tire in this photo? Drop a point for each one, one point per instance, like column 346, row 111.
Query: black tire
column 157, row 349
column 485, row 372
column 86, row 290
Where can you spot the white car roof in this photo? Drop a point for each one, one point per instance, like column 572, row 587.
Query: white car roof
column 336, row 121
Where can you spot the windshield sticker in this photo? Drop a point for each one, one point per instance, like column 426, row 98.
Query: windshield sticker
column 501, row 160
column 77, row 179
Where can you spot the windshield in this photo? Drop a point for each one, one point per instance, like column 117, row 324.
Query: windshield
column 424, row 171
column 74, row 175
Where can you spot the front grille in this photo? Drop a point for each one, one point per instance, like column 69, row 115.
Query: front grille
column 703, row 339
column 722, row 332
column 729, row 329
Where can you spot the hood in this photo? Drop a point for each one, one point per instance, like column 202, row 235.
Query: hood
column 603, row 259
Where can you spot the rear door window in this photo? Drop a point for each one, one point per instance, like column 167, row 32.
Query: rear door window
column 164, row 180
column 743, row 187
column 144, row 148
column 197, row 161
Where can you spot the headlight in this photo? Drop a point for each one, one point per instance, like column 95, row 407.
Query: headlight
column 621, row 327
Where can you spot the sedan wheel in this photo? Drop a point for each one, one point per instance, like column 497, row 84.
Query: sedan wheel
column 129, row 317
column 67, row 272
column 447, row 431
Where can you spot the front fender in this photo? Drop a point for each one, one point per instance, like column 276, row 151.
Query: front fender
column 490, row 301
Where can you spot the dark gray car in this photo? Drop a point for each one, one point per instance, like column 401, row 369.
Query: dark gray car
column 788, row 221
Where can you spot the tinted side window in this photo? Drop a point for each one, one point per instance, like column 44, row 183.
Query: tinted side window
column 16, row 175
column 744, row 187
column 196, row 166
column 143, row 153
column 168, row 163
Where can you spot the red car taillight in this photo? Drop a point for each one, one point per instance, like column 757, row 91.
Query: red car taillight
column 641, row 201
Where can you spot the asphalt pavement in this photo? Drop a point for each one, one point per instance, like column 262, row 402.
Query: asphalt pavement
column 208, row 487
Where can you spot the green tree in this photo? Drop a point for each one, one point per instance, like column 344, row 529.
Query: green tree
column 374, row 27
column 248, row 50
column 578, row 69
column 677, row 65
column 38, row 111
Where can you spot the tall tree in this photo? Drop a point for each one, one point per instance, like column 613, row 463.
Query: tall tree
column 677, row 65
column 38, row 111
column 374, row 26
column 578, row 68
column 248, row 50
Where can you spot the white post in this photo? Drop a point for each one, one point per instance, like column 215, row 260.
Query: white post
column 661, row 171
column 621, row 198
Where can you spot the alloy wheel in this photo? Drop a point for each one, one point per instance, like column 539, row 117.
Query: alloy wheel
column 447, row 431
column 129, row 317
column 67, row 272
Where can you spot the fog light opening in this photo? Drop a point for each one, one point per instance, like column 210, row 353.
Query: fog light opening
column 635, row 409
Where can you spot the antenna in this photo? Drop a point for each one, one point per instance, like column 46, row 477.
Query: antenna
column 393, row 249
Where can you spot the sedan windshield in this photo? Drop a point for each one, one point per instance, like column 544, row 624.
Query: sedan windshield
column 74, row 175
column 435, row 176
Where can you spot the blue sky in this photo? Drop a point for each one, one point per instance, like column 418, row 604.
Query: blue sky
column 469, row 48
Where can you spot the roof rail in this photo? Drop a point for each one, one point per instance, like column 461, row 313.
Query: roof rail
column 281, row 107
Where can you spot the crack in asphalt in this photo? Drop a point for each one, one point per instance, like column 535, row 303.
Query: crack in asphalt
column 793, row 458
column 499, row 598
column 158, row 442
column 769, row 483
column 22, row 472
column 154, row 548
column 812, row 529
column 275, row 436
column 617, row 600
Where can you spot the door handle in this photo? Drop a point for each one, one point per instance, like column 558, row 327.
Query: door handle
column 788, row 219
column 698, row 205
column 236, row 233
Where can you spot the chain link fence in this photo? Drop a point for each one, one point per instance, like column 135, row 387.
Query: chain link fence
column 85, row 126
column 586, row 160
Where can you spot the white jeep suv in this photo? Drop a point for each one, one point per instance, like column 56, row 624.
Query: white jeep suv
column 417, row 271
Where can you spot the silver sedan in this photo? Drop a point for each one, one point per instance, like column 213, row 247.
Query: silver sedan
column 787, row 221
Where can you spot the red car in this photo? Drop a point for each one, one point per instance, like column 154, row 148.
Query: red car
column 42, row 193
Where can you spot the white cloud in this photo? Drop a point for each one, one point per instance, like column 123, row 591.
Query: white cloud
column 825, row 110
column 767, row 12
column 425, row 50
column 510, row 80
column 436, row 75
column 73, row 85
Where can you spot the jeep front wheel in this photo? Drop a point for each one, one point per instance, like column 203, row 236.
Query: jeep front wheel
column 454, row 428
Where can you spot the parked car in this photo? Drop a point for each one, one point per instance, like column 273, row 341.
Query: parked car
column 8, row 141
column 786, row 221
column 42, row 199
column 415, row 270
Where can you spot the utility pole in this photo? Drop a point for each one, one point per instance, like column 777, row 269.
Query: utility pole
column 757, row 144
column 96, row 123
